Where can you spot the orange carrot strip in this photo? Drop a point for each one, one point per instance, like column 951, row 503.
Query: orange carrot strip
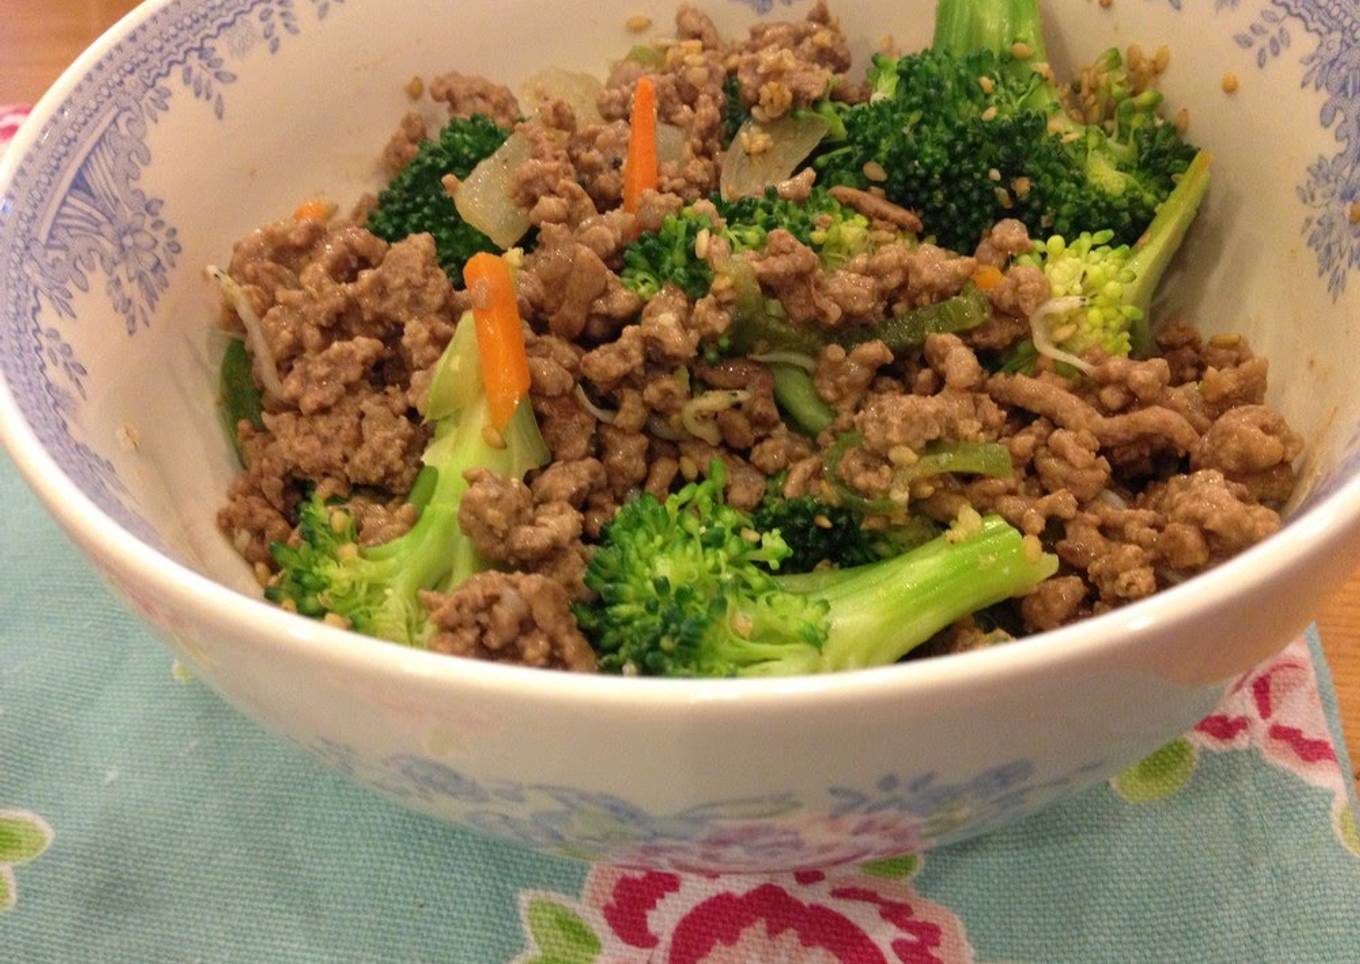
column 500, row 335
column 987, row 277
column 640, row 170
column 314, row 210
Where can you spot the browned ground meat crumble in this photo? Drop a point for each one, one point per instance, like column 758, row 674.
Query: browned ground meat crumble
column 1137, row 477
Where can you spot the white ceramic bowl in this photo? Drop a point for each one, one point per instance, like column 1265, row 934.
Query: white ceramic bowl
column 194, row 120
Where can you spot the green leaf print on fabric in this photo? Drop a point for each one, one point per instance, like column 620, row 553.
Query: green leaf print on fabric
column 904, row 867
column 23, row 836
column 1159, row 775
column 559, row 936
column 1348, row 829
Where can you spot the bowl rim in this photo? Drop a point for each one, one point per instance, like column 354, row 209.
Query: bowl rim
column 1320, row 528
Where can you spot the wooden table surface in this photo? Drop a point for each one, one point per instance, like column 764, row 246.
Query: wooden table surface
column 37, row 40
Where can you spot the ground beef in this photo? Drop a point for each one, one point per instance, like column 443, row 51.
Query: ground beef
column 404, row 144
column 1023, row 289
column 509, row 617
column 888, row 422
column 1003, row 241
column 1252, row 445
column 467, row 95
column 781, row 66
column 1053, row 603
column 571, row 291
column 880, row 211
column 842, row 378
column 507, row 522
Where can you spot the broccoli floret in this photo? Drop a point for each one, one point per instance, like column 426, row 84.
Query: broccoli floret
column 817, row 533
column 668, row 257
column 974, row 129
column 415, row 200
column 735, row 111
column 837, row 233
column 1102, row 293
column 376, row 588
column 685, row 590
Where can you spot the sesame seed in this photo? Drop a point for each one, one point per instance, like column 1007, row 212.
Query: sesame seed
column 1230, row 83
column 688, row 468
column 701, row 241
column 1070, row 136
column 1032, row 548
column 1182, row 120
column 741, row 624
column 637, row 23
column 989, row 113
column 1003, row 197
column 1021, row 186
column 751, row 536
column 492, row 436
column 994, row 175
column 1353, row 215
column 336, row 620
column 1225, row 341
column 902, row 455
column 348, row 552
column 339, row 521
column 1161, row 59
column 1065, row 332
column 262, row 574
column 874, row 171
column 986, row 84
column 878, row 192
column 288, row 606
column 821, row 521
column 414, row 88
column 1021, row 50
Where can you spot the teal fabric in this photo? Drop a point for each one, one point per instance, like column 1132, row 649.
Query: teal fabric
column 182, row 832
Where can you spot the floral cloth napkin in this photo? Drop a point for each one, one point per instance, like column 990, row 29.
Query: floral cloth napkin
column 148, row 822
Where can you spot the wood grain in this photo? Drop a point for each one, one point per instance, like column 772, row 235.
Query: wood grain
column 38, row 40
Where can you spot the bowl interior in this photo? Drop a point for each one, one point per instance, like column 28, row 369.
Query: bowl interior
column 202, row 119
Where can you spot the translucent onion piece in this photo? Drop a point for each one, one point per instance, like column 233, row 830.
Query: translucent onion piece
column 483, row 199
column 263, row 363
column 578, row 91
column 603, row 414
column 672, row 144
column 779, row 147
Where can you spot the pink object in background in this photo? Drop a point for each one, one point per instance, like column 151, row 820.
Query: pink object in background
column 11, row 116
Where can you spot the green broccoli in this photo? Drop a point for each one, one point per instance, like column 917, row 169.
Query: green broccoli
column 974, row 129
column 735, row 111
column 1102, row 295
column 818, row 533
column 415, row 200
column 376, row 588
column 685, row 590
column 669, row 256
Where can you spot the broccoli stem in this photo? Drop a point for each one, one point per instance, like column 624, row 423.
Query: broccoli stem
column 880, row 612
column 797, row 395
column 963, row 26
column 1158, row 246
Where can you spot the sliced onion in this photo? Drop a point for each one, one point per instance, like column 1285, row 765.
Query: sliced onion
column 262, row 361
column 698, row 413
column 580, row 92
column 1043, row 338
column 1111, row 498
column 661, row 428
column 672, row 144
column 796, row 359
column 483, row 199
column 791, row 140
column 603, row 414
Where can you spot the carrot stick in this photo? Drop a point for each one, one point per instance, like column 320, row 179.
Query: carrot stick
column 314, row 210
column 500, row 335
column 640, row 171
column 987, row 277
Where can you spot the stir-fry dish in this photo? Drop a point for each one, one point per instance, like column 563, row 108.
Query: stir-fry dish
column 738, row 363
